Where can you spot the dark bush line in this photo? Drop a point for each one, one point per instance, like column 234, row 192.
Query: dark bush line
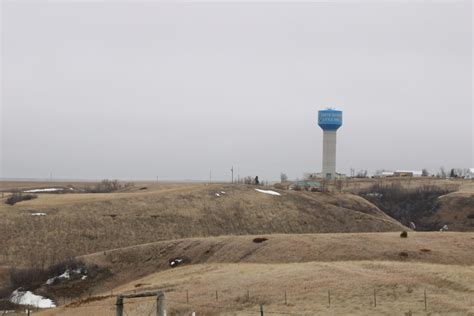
column 34, row 277
column 18, row 197
column 106, row 186
column 407, row 204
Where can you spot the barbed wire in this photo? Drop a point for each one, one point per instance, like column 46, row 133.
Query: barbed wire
column 223, row 304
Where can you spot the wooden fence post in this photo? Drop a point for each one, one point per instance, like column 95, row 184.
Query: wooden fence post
column 285, row 297
column 160, row 300
column 329, row 298
column 160, row 305
column 119, row 306
column 187, row 296
column 261, row 310
column 375, row 299
column 425, row 300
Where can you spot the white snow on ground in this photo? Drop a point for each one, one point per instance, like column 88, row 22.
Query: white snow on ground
column 222, row 192
column 28, row 298
column 217, row 194
column 268, row 192
column 67, row 275
column 38, row 214
column 44, row 190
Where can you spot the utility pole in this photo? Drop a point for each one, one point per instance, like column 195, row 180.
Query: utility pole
column 232, row 170
column 210, row 176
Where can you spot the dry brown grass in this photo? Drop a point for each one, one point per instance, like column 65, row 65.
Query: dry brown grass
column 399, row 288
column 134, row 262
column 356, row 185
column 78, row 224
column 456, row 210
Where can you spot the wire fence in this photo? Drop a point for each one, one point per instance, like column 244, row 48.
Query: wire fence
column 284, row 302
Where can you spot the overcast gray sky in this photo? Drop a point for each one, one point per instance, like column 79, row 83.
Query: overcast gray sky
column 135, row 90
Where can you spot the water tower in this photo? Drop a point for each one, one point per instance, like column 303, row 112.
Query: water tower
column 329, row 120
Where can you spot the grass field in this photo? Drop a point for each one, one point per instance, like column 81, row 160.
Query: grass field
column 78, row 224
column 315, row 243
column 350, row 266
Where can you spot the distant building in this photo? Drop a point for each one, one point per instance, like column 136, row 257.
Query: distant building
column 320, row 175
column 470, row 174
column 306, row 185
column 408, row 173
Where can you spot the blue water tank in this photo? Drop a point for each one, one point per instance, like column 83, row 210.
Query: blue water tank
column 330, row 120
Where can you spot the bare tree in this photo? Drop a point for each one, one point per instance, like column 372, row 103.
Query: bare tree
column 283, row 177
column 442, row 173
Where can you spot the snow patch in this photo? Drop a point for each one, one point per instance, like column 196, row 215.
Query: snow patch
column 47, row 190
column 38, row 214
column 217, row 194
column 268, row 192
column 43, row 190
column 28, row 298
column 67, row 275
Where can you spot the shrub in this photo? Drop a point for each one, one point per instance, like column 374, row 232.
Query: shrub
column 259, row 239
column 18, row 197
column 33, row 277
column 107, row 186
column 407, row 204
column 403, row 234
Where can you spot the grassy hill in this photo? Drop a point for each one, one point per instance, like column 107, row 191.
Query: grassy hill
column 456, row 210
column 78, row 224
column 430, row 204
column 307, row 266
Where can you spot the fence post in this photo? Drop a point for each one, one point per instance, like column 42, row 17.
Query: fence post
column 425, row 299
column 285, row 297
column 329, row 298
column 261, row 310
column 217, row 297
column 160, row 305
column 187, row 296
column 375, row 299
column 119, row 306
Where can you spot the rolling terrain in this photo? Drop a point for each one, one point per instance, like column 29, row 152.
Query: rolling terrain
column 78, row 224
column 241, row 248
column 349, row 265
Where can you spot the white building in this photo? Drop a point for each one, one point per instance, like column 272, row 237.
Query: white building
column 470, row 174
